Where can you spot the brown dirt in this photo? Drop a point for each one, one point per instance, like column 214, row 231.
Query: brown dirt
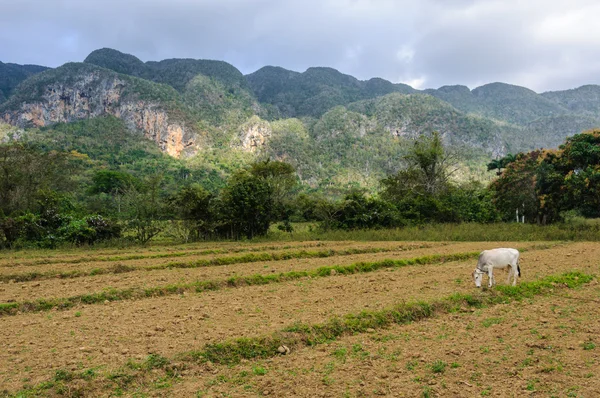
column 55, row 287
column 33, row 346
column 33, row 257
column 536, row 349
column 92, row 264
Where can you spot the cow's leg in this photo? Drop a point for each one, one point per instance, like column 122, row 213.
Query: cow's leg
column 510, row 272
column 515, row 273
column 490, row 276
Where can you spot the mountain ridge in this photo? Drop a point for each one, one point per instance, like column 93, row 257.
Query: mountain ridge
column 334, row 128
column 13, row 74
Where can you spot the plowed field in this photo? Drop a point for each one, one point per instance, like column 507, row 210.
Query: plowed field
column 141, row 345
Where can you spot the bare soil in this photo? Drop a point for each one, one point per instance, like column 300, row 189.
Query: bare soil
column 34, row 346
column 41, row 256
column 538, row 348
column 150, row 262
column 57, row 287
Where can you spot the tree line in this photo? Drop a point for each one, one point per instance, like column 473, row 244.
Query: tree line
column 46, row 199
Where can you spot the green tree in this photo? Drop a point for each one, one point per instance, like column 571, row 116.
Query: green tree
column 515, row 188
column 358, row 211
column 428, row 169
column 25, row 170
column 144, row 210
column 418, row 189
column 247, row 206
column 499, row 164
column 281, row 179
column 111, row 182
column 194, row 207
column 467, row 202
column 546, row 183
column 105, row 194
column 570, row 178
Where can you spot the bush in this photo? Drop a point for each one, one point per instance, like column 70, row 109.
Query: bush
column 78, row 232
column 105, row 228
column 89, row 230
column 360, row 212
column 29, row 229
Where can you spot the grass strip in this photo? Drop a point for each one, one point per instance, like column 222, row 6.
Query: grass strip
column 136, row 374
column 298, row 335
column 79, row 260
column 236, row 281
column 246, row 258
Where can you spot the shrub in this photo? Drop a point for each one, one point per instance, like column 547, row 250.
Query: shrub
column 89, row 230
column 105, row 228
column 358, row 211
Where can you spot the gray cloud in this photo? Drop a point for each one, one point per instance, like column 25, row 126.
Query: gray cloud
column 543, row 45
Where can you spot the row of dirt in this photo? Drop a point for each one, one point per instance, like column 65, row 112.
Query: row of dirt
column 35, row 345
column 142, row 279
column 43, row 257
column 546, row 347
column 149, row 261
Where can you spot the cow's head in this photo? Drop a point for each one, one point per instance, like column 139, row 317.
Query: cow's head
column 477, row 277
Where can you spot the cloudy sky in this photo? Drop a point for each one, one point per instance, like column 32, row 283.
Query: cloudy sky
column 541, row 44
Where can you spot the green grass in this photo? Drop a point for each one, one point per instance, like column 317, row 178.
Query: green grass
column 301, row 335
column 491, row 321
column 218, row 261
column 298, row 335
column 259, row 370
column 237, row 281
column 438, row 366
column 464, row 232
column 309, row 231
column 83, row 259
column 588, row 345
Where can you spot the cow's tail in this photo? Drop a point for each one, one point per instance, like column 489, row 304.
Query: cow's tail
column 518, row 270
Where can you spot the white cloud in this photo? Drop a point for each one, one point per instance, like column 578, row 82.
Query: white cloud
column 570, row 27
column 541, row 44
column 417, row 83
column 405, row 54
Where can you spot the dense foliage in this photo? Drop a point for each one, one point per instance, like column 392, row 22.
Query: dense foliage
column 12, row 74
column 51, row 196
column 544, row 184
column 346, row 133
column 315, row 91
column 349, row 154
column 174, row 72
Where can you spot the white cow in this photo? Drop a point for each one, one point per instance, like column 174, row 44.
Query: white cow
column 497, row 258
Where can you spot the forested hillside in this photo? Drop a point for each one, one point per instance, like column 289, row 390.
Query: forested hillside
column 315, row 91
column 12, row 74
column 337, row 131
column 115, row 148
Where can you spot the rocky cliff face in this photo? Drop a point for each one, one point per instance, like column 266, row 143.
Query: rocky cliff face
column 253, row 135
column 95, row 94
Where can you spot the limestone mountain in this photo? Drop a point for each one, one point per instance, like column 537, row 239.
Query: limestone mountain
column 78, row 91
column 338, row 131
column 316, row 90
column 500, row 101
column 583, row 100
column 214, row 91
column 175, row 72
column 12, row 74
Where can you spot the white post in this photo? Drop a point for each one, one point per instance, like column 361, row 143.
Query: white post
column 517, row 214
column 523, row 216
